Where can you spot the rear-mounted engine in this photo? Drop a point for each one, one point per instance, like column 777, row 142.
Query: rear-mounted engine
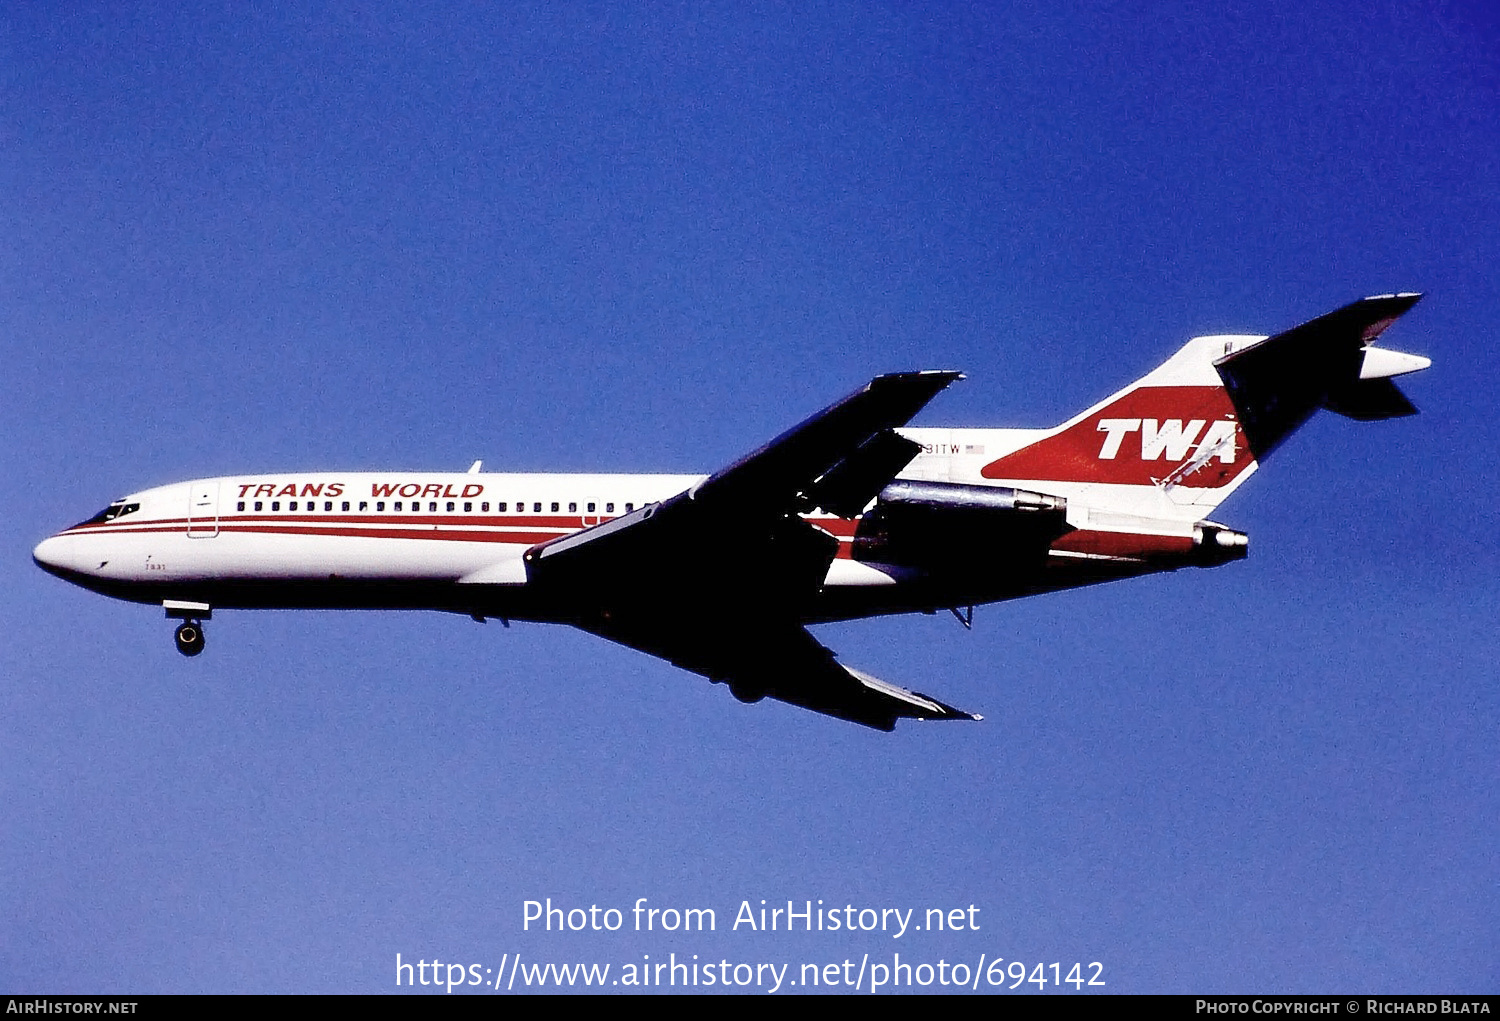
column 938, row 525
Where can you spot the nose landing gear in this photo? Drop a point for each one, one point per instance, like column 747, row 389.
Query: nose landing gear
column 189, row 636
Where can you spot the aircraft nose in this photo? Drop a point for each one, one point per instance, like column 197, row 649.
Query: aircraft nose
column 52, row 556
column 45, row 553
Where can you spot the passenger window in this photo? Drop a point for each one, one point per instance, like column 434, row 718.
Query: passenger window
column 629, row 507
column 379, row 505
column 536, row 508
column 554, row 506
column 240, row 505
column 591, row 508
column 572, row 508
column 258, row 505
column 450, row 507
column 432, row 506
column 468, row 506
column 416, row 506
column 292, row 506
column 276, row 505
column 328, row 505
column 486, row 506
column 397, row 505
column 609, row 508
column 361, row 505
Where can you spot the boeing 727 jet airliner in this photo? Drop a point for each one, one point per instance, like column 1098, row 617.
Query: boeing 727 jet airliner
column 850, row 514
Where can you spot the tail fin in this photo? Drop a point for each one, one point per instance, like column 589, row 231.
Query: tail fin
column 1199, row 424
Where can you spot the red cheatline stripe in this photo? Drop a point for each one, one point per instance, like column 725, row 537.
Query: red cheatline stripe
column 117, row 526
column 424, row 518
column 835, row 526
column 515, row 537
column 563, row 525
column 448, row 535
column 512, row 536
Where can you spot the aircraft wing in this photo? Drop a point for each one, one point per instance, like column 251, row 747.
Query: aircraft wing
column 775, row 658
column 716, row 579
column 738, row 530
column 840, row 441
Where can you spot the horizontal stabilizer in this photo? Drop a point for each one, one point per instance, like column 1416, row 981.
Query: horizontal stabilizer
column 1370, row 400
column 1276, row 384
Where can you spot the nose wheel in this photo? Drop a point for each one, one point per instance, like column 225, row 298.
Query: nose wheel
column 189, row 638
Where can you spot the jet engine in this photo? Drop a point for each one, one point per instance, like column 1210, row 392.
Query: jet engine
column 948, row 526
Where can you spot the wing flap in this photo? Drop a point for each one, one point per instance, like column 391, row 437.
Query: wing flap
column 775, row 659
column 775, row 476
column 852, row 483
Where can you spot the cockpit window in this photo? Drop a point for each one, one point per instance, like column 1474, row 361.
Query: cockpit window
column 118, row 509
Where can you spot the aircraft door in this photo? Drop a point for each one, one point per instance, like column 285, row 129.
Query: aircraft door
column 203, row 510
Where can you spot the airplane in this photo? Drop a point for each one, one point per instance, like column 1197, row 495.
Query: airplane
column 849, row 514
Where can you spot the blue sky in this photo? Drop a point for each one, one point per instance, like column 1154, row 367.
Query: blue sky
column 617, row 238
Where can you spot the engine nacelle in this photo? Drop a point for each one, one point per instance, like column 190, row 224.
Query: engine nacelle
column 948, row 525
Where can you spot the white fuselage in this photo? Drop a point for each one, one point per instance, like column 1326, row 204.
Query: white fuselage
column 349, row 539
column 310, row 527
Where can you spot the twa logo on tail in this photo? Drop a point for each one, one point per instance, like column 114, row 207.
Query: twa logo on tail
column 1209, row 414
column 1169, row 437
column 1137, row 438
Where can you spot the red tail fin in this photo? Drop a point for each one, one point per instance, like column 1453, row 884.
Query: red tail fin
column 1142, row 437
column 1203, row 419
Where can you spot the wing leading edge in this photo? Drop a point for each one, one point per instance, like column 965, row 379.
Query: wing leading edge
column 716, row 579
